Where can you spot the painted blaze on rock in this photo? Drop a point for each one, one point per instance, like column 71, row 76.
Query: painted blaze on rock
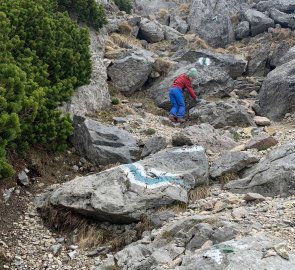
column 122, row 194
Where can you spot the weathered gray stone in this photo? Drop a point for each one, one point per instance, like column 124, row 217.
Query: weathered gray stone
column 94, row 96
column 235, row 65
column 280, row 50
column 151, row 31
column 281, row 5
column 258, row 60
column 289, row 56
column 157, row 219
column 23, row 178
column 259, row 22
column 211, row 81
column 277, row 94
column 273, row 175
column 222, row 114
column 124, row 193
column 129, row 73
column 262, row 121
column 178, row 24
column 204, row 135
column 210, row 19
column 103, row 144
column 242, row 30
column 231, row 162
column 261, row 142
column 285, row 20
column 250, row 197
column 154, row 145
column 246, row 253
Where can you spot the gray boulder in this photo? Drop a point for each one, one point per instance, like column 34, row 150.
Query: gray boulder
column 221, row 114
column 206, row 136
column 212, row 81
column 280, row 50
column 289, row 56
column 277, row 94
column 231, row 162
column 124, row 193
column 285, row 20
column 151, row 31
column 259, row 22
column 171, row 34
column 154, row 145
column 103, row 144
column 242, row 30
column 274, row 175
column 246, row 253
column 258, row 60
column 235, row 65
column 261, row 142
column 281, row 5
column 210, row 19
column 94, row 96
column 129, row 73
column 178, row 24
column 244, row 86
column 174, row 240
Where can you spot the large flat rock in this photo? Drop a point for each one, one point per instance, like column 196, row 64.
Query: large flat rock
column 124, row 193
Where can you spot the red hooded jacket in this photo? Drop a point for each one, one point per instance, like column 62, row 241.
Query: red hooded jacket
column 184, row 82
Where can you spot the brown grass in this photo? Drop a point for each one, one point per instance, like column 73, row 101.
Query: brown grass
column 163, row 13
column 235, row 19
column 280, row 34
column 184, row 8
column 198, row 193
column 125, row 28
column 198, row 43
column 123, row 41
column 162, row 45
column 162, row 65
column 227, row 177
column 175, row 208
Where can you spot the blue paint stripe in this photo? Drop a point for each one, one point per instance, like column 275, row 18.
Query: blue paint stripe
column 152, row 181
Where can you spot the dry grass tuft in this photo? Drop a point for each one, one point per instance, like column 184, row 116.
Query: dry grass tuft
column 284, row 34
column 235, row 19
column 162, row 65
column 198, row 43
column 167, row 235
column 198, row 193
column 227, row 177
column 176, row 208
column 125, row 28
column 163, row 13
column 123, row 41
column 184, row 8
column 163, row 45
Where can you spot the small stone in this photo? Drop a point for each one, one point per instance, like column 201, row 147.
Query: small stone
column 219, row 206
column 73, row 247
column 239, row 213
column 207, row 244
column 75, row 168
column 119, row 120
column 23, row 178
column 238, row 148
column 269, row 253
column 282, row 251
column 261, row 142
column 209, row 205
column 72, row 254
column 137, row 105
column 249, row 197
column 262, row 121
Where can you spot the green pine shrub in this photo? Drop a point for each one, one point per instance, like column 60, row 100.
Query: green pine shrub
column 44, row 56
column 87, row 11
column 124, row 5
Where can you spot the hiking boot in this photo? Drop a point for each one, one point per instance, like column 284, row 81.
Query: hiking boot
column 181, row 120
column 172, row 118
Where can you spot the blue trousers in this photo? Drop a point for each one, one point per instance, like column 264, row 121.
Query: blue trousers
column 177, row 102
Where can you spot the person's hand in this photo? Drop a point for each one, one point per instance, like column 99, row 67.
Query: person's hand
column 200, row 101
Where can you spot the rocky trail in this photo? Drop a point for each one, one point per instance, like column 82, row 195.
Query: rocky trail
column 134, row 191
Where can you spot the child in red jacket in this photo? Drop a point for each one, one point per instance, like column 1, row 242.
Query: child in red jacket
column 182, row 82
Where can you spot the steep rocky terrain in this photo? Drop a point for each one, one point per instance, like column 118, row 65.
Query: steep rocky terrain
column 136, row 191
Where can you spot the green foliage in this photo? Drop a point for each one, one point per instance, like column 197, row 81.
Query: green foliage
column 44, row 55
column 236, row 136
column 115, row 101
column 124, row 5
column 87, row 11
